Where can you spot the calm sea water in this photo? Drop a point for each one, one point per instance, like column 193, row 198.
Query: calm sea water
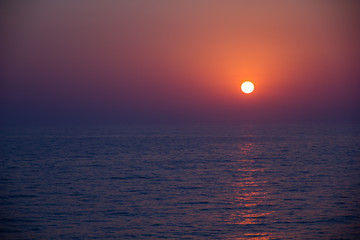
column 230, row 182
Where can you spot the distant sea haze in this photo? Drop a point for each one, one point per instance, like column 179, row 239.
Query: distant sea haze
column 201, row 182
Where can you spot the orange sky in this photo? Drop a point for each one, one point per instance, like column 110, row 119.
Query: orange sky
column 161, row 60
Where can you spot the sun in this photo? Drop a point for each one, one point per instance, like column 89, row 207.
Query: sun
column 247, row 87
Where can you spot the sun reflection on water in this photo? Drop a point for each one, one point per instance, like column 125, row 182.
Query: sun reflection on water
column 250, row 197
column 255, row 236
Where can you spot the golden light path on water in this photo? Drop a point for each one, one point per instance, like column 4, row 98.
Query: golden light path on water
column 249, row 197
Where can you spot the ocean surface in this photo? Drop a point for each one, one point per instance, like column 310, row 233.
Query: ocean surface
column 172, row 182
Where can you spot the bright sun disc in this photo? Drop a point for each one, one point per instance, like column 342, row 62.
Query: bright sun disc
column 247, row 87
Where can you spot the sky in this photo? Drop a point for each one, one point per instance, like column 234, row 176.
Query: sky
column 179, row 61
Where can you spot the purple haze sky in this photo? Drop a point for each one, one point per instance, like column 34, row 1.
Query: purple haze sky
column 165, row 61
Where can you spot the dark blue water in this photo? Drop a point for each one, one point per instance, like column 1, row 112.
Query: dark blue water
column 238, row 182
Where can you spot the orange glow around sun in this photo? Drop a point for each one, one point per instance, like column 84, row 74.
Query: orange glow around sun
column 247, row 87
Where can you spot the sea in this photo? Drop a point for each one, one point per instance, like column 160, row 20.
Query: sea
column 239, row 181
